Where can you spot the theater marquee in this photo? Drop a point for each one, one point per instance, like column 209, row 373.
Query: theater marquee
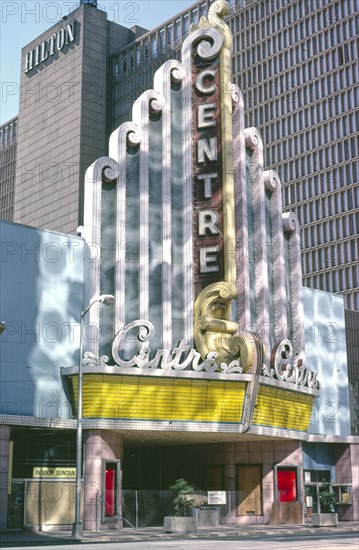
column 205, row 335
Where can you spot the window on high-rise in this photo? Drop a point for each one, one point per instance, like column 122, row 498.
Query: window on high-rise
column 177, row 29
column 186, row 24
column 116, row 71
column 353, row 250
column 169, row 34
column 194, row 16
column 162, row 39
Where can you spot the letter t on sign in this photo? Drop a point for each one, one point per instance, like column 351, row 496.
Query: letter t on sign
column 207, row 178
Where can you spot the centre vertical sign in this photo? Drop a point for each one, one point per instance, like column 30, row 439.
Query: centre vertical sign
column 208, row 246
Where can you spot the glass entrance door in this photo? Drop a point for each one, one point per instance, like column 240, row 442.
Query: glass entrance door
column 313, row 481
column 15, row 517
column 311, row 500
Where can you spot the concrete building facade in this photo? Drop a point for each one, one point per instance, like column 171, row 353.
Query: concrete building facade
column 63, row 101
column 8, row 145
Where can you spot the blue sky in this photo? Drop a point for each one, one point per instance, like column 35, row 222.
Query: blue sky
column 23, row 20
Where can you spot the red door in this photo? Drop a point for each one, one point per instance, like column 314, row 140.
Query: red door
column 287, row 484
column 110, row 493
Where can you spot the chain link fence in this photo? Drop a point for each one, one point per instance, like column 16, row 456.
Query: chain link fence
column 148, row 508
column 35, row 503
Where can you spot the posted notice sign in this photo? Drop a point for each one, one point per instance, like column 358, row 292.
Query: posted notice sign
column 216, row 497
column 53, row 473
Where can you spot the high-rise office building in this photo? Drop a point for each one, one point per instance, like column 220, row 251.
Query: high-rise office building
column 8, row 143
column 296, row 62
column 63, row 102
column 352, row 331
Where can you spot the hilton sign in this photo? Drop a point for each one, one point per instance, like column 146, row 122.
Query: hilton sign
column 49, row 47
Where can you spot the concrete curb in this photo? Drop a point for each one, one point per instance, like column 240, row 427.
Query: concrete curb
column 41, row 538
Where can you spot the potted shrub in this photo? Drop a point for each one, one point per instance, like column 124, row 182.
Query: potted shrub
column 180, row 522
column 327, row 516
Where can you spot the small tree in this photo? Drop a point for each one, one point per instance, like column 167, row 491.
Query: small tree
column 327, row 500
column 181, row 488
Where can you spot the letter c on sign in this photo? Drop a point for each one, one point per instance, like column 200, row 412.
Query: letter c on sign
column 200, row 84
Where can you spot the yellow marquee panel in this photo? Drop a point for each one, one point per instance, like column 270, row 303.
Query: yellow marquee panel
column 168, row 399
column 283, row 409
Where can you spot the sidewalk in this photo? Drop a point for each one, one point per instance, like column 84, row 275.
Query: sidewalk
column 41, row 538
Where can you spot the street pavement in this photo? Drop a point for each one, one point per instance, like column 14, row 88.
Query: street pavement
column 153, row 534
